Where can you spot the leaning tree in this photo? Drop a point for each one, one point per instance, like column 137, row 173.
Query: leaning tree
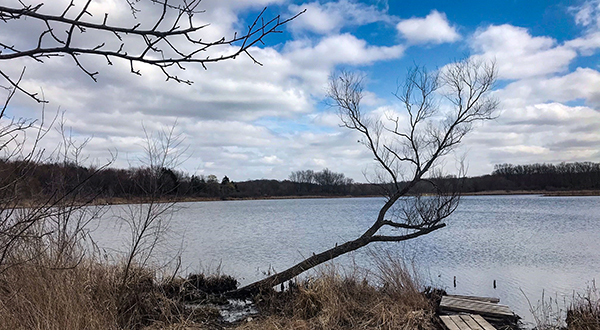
column 440, row 109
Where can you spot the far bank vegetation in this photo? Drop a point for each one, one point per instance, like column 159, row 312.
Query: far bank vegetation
column 114, row 185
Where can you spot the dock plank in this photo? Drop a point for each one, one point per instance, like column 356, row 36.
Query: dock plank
column 460, row 323
column 470, row 322
column 465, row 322
column 485, row 299
column 483, row 323
column 475, row 307
column 449, row 323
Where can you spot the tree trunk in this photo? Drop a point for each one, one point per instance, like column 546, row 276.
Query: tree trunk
column 303, row 266
column 322, row 257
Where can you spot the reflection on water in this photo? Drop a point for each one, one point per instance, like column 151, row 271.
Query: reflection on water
column 531, row 243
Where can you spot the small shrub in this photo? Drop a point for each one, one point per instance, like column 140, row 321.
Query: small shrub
column 212, row 284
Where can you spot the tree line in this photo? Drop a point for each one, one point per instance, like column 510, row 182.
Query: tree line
column 38, row 181
column 539, row 176
column 41, row 180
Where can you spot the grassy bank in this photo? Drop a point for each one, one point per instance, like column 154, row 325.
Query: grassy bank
column 584, row 312
column 185, row 199
column 332, row 300
column 92, row 295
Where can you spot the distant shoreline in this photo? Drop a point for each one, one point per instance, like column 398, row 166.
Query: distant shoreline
column 138, row 200
column 545, row 193
column 121, row 200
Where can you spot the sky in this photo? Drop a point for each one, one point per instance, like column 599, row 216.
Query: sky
column 250, row 121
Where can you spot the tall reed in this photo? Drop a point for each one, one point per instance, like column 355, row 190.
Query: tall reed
column 335, row 300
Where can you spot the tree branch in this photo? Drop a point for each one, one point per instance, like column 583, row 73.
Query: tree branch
column 381, row 238
column 175, row 45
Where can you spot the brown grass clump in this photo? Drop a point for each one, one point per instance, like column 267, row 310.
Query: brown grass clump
column 584, row 313
column 334, row 301
column 35, row 297
column 92, row 295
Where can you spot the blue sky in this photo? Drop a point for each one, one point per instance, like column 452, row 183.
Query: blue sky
column 249, row 122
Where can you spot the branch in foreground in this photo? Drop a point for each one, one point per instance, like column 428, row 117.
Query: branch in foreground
column 168, row 45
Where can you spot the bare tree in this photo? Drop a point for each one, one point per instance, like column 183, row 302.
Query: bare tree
column 172, row 40
column 73, row 207
column 149, row 220
column 45, row 226
column 408, row 149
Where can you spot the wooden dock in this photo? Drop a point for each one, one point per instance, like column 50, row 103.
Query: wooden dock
column 471, row 310
column 486, row 299
column 466, row 322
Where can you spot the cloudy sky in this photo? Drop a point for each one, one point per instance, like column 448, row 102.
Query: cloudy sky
column 248, row 121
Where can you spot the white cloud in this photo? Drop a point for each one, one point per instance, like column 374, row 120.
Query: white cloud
column 330, row 119
column 434, row 28
column 249, row 121
column 313, row 62
column 225, row 115
column 549, row 114
column 588, row 14
column 520, row 55
column 341, row 49
column 238, row 4
column 536, row 133
column 271, row 160
column 332, row 16
column 587, row 44
column 315, row 19
column 578, row 85
column 522, row 149
column 539, row 121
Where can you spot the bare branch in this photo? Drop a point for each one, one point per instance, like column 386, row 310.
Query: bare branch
column 172, row 43
column 383, row 238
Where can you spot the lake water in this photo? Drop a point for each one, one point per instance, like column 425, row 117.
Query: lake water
column 528, row 243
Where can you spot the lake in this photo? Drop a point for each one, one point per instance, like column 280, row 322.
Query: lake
column 526, row 242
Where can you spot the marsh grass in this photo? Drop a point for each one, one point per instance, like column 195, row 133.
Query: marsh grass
column 33, row 296
column 581, row 313
column 548, row 313
column 333, row 299
column 91, row 296
column 584, row 312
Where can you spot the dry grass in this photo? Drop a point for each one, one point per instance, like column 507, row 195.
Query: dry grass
column 35, row 297
column 91, row 296
column 548, row 313
column 335, row 301
column 584, row 313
